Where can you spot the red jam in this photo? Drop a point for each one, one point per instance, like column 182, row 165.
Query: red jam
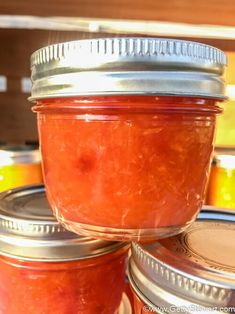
column 91, row 286
column 126, row 167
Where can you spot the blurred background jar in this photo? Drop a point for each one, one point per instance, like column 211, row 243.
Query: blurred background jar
column 221, row 188
column 19, row 165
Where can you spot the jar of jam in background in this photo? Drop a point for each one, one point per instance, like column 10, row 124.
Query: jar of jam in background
column 19, row 165
column 221, row 188
column 193, row 272
column 126, row 129
column 46, row 269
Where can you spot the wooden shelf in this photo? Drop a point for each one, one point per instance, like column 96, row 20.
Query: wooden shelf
column 214, row 12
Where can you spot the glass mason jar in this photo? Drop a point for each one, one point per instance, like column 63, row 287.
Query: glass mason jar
column 19, row 165
column 46, row 269
column 129, row 122
column 221, row 188
column 190, row 273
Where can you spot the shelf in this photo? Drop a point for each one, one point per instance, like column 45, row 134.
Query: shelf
column 214, row 12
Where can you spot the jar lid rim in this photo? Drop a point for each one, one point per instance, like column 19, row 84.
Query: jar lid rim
column 12, row 154
column 128, row 65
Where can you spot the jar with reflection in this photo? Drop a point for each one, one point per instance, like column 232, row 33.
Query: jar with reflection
column 46, row 269
column 130, row 123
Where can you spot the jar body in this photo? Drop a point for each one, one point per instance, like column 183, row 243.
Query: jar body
column 126, row 168
column 91, row 286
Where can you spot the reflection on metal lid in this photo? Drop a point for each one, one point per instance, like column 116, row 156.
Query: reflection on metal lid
column 134, row 66
column 225, row 161
column 224, row 157
column 13, row 154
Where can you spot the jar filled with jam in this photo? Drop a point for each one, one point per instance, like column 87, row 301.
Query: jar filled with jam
column 129, row 123
column 190, row 273
column 46, row 269
column 20, row 165
column 221, row 188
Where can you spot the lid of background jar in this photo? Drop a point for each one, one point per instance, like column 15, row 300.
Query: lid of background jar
column 29, row 231
column 119, row 66
column 224, row 157
column 15, row 154
column 193, row 270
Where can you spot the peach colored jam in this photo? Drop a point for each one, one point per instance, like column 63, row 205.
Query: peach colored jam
column 92, row 286
column 127, row 166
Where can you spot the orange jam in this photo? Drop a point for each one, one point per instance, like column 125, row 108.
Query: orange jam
column 126, row 167
column 126, row 128
column 91, row 286
column 45, row 269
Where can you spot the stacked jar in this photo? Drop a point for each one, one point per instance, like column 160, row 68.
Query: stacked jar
column 126, row 128
column 193, row 272
column 47, row 269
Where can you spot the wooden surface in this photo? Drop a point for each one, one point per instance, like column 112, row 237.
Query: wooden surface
column 214, row 12
column 18, row 44
column 17, row 122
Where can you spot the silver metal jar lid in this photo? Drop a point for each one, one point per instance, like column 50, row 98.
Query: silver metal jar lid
column 224, row 157
column 192, row 272
column 119, row 66
column 29, row 231
column 15, row 154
